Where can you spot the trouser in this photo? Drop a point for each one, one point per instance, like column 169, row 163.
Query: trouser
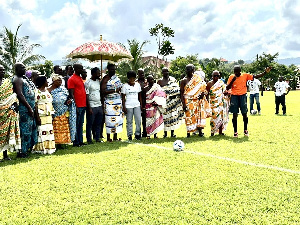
column 80, row 111
column 256, row 97
column 144, row 123
column 280, row 100
column 136, row 112
column 94, row 121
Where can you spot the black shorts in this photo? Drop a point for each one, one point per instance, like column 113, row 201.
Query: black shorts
column 238, row 102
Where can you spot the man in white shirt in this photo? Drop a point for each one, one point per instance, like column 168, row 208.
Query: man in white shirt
column 281, row 90
column 254, row 94
column 94, row 113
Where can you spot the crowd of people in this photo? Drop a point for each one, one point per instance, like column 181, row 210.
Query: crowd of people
column 41, row 115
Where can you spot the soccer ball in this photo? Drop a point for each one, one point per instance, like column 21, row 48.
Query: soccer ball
column 178, row 145
column 253, row 111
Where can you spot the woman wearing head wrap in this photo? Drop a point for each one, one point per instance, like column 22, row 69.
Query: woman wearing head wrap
column 46, row 143
column 64, row 118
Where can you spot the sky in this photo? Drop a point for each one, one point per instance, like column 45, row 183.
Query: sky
column 230, row 29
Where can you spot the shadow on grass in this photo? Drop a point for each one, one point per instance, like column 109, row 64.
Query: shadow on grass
column 68, row 150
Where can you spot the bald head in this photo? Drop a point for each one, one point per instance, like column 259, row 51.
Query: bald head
column 237, row 70
column 20, row 69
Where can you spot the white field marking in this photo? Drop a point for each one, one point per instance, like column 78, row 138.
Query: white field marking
column 227, row 159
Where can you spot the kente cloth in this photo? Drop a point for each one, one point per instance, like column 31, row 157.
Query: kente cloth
column 195, row 116
column 10, row 138
column 46, row 142
column 155, row 107
column 113, row 107
column 28, row 128
column 173, row 115
column 64, row 122
column 219, row 104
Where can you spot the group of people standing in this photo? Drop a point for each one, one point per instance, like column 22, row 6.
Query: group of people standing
column 39, row 118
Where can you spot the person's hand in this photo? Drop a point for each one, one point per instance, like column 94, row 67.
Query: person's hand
column 38, row 121
column 118, row 90
column 90, row 111
column 69, row 102
column 30, row 112
column 185, row 108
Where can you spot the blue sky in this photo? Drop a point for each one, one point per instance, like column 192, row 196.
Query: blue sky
column 232, row 29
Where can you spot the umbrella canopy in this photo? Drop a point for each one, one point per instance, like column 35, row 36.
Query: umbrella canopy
column 100, row 50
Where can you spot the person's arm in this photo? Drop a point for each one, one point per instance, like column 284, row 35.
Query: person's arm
column 182, row 85
column 141, row 101
column 123, row 103
column 267, row 70
column 103, row 89
column 88, row 105
column 288, row 89
column 230, row 82
column 17, row 87
column 208, row 86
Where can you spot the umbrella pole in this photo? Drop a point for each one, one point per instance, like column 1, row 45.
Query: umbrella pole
column 101, row 68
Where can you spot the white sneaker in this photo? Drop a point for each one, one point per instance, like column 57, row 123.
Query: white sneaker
column 259, row 113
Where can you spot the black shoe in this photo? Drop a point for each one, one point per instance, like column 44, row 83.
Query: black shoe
column 76, row 145
column 99, row 141
column 22, row 155
column 82, row 144
column 90, row 142
column 138, row 137
column 129, row 138
column 188, row 135
column 201, row 134
column 173, row 136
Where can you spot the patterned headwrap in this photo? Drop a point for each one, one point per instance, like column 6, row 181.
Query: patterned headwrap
column 56, row 77
column 28, row 73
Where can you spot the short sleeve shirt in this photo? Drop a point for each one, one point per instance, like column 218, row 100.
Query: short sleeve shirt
column 281, row 88
column 92, row 88
column 254, row 86
column 239, row 86
column 75, row 82
column 132, row 95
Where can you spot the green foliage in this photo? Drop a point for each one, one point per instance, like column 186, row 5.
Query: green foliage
column 162, row 35
column 15, row 49
column 177, row 67
column 215, row 180
column 137, row 52
column 45, row 69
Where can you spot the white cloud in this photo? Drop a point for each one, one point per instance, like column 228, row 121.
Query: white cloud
column 234, row 30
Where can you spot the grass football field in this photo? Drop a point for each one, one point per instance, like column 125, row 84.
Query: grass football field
column 215, row 180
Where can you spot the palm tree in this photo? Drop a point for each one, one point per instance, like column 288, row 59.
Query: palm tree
column 15, row 49
column 137, row 52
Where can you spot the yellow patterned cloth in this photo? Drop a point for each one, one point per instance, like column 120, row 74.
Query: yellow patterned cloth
column 46, row 143
column 219, row 104
column 9, row 119
column 196, row 114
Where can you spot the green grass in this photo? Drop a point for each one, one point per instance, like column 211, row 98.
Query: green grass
column 148, row 183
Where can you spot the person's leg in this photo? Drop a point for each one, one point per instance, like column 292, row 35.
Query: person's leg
column 283, row 104
column 144, row 123
column 89, row 125
column 277, row 102
column 129, row 119
column 80, row 135
column 97, row 122
column 137, row 119
column 76, row 141
column 257, row 102
column 251, row 101
column 234, row 122
column 172, row 133
column 245, row 119
column 244, row 110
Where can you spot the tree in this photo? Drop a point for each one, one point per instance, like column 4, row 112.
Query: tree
column 137, row 52
column 15, row 49
column 45, row 69
column 162, row 35
column 177, row 67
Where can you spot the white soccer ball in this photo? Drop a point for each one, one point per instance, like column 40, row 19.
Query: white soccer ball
column 253, row 111
column 178, row 145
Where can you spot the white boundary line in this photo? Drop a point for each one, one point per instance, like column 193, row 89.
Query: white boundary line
column 226, row 158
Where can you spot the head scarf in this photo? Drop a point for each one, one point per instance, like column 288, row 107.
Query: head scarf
column 28, row 73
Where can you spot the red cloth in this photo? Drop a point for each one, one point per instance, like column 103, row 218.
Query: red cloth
column 75, row 82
